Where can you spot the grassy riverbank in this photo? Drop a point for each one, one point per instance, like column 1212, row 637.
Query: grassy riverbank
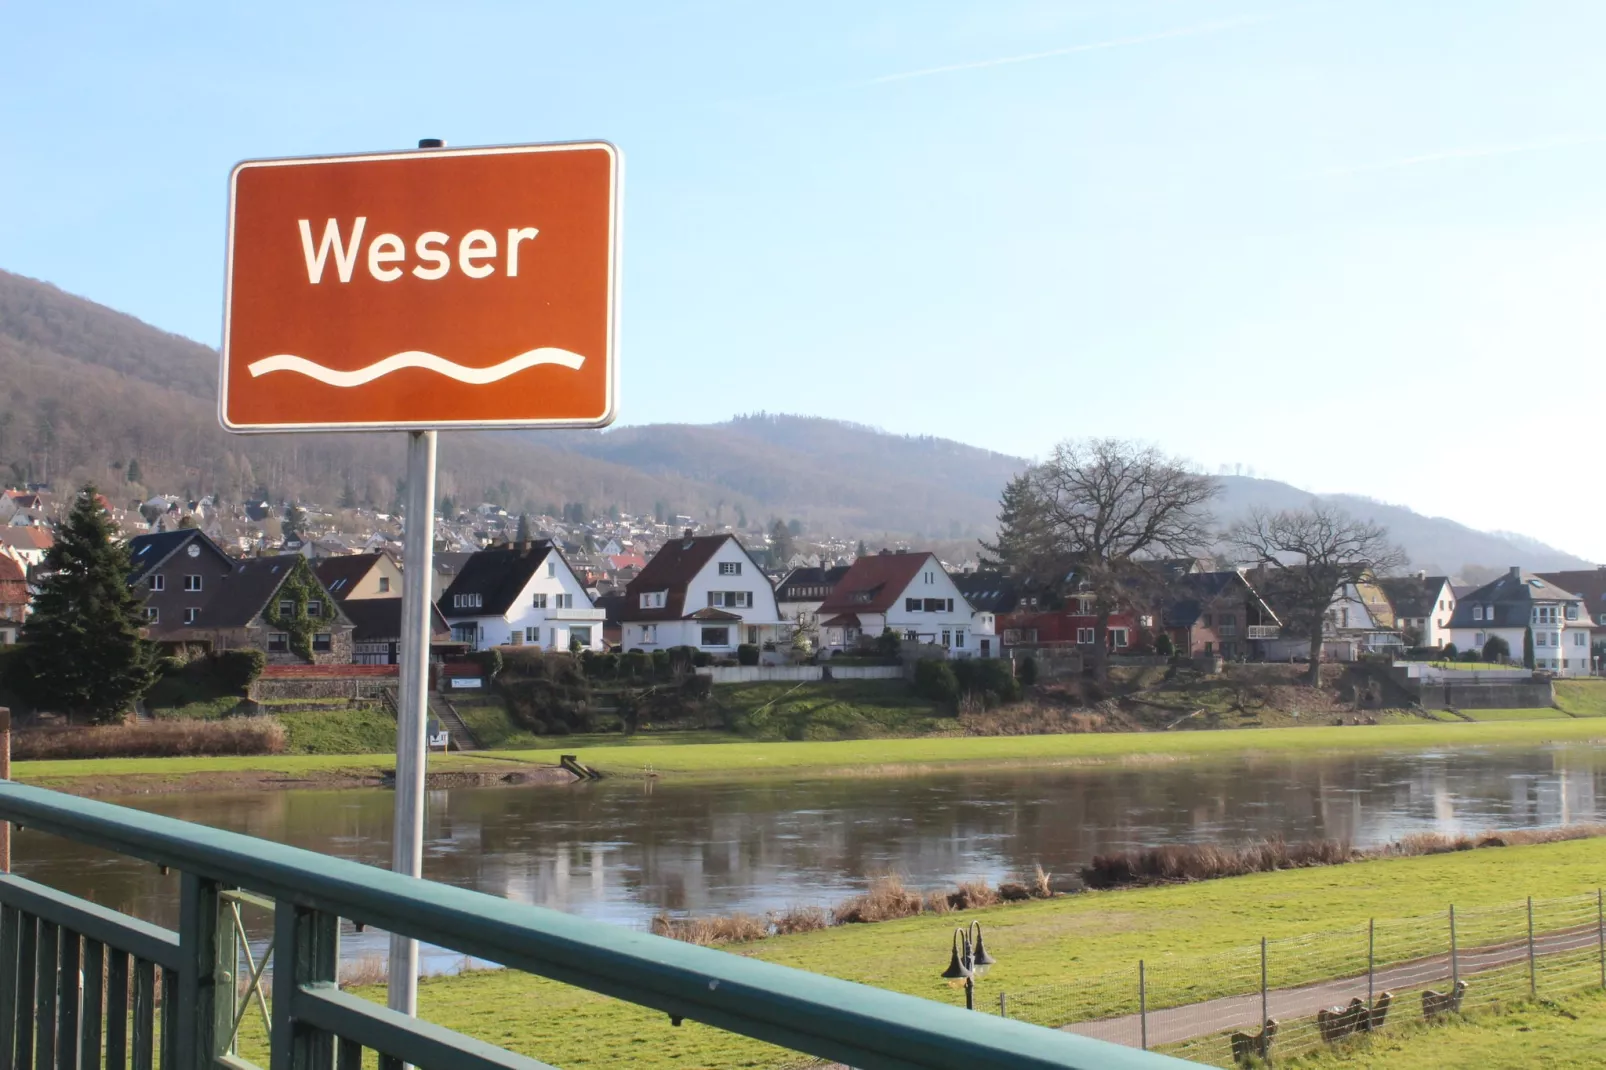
column 1059, row 941
column 697, row 755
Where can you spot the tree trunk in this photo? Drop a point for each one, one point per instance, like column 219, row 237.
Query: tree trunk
column 1101, row 645
column 1313, row 675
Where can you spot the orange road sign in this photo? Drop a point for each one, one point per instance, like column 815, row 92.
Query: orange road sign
column 450, row 288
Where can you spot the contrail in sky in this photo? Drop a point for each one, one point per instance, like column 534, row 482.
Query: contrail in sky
column 1470, row 153
column 1071, row 50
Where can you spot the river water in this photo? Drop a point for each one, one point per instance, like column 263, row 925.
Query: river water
column 623, row 850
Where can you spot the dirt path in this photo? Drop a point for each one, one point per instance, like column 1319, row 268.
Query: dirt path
column 1176, row 1024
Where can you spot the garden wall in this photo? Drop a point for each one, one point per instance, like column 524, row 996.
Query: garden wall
column 323, row 681
column 751, row 674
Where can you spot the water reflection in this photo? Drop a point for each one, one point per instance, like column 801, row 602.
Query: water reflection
column 618, row 852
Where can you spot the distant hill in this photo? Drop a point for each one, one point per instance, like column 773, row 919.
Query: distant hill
column 89, row 389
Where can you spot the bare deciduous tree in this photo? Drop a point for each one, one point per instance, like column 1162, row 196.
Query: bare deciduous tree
column 1308, row 558
column 1105, row 506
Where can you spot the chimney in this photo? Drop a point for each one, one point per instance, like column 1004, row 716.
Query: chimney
column 1421, row 573
column 1516, row 572
column 686, row 533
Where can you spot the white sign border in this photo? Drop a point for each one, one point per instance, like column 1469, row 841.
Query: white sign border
column 610, row 411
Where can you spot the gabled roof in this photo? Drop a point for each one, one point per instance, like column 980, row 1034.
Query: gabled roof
column 875, row 582
column 1189, row 594
column 1412, row 596
column 28, row 537
column 498, row 576
column 450, row 562
column 671, row 569
column 241, row 596
column 13, row 582
column 1509, row 600
column 378, row 619
column 801, row 578
column 148, row 552
column 1588, row 583
column 340, row 574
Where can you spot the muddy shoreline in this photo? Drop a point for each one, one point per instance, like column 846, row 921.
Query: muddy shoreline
column 250, row 780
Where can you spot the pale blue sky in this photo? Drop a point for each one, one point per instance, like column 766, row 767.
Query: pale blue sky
column 1360, row 246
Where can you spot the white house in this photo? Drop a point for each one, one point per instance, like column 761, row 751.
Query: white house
column 803, row 590
column 1422, row 607
column 522, row 594
column 909, row 594
column 701, row 591
column 1520, row 602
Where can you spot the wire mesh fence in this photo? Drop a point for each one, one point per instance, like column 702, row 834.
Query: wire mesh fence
column 1290, row 995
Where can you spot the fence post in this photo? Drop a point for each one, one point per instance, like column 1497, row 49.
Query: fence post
column 1264, row 1002
column 1371, row 957
column 1600, row 931
column 1003, row 1004
column 1143, row 1008
column 1455, row 961
column 1533, row 977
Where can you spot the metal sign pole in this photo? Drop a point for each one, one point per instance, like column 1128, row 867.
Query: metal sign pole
column 418, row 556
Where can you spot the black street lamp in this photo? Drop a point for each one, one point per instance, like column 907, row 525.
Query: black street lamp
column 968, row 959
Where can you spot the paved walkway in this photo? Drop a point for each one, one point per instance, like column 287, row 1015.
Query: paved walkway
column 1173, row 1025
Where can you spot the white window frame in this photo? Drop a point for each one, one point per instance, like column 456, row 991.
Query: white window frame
column 278, row 642
column 158, row 582
column 1477, row 612
column 192, row 583
column 1118, row 638
column 702, row 636
column 191, row 614
column 538, row 601
column 1086, row 636
column 384, row 587
column 153, row 615
column 730, row 568
column 653, row 599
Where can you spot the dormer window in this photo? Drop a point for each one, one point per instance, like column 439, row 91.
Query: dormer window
column 1477, row 612
column 653, row 599
column 467, row 601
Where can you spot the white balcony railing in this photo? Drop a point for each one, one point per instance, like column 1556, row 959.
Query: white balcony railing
column 1262, row 631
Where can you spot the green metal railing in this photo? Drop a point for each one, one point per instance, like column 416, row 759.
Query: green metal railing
column 65, row 961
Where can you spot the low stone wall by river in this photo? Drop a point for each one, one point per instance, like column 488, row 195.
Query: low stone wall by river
column 749, row 674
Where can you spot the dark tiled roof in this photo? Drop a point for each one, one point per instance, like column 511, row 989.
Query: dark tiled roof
column 378, row 619
column 1189, row 594
column 242, row 595
column 147, row 552
column 340, row 574
column 674, row 566
column 874, row 582
column 1412, row 596
column 1588, row 583
column 989, row 592
column 450, row 562
column 497, row 576
column 802, row 579
column 612, row 605
column 1509, row 600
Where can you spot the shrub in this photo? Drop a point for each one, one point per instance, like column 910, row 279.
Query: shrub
column 1026, row 671
column 1163, row 646
column 660, row 663
column 747, row 654
column 702, row 659
column 1497, row 648
column 635, row 665
column 935, row 680
column 1450, row 652
column 888, row 645
column 987, row 679
column 489, row 661
column 237, row 670
column 1470, row 655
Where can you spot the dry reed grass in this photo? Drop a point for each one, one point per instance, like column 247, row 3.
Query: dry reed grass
column 707, row 931
column 1206, row 861
column 884, row 900
column 366, row 970
column 800, row 920
column 161, row 739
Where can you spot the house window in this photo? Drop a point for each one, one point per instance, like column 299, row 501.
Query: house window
column 1580, row 639
column 931, row 577
column 649, row 633
column 716, row 637
column 315, row 607
column 287, row 607
column 461, row 633
column 278, row 642
column 466, row 601
column 752, row 634
column 653, row 599
column 158, row 582
column 947, row 637
column 911, row 605
column 731, row 599
column 1540, row 639
column 322, row 641
column 580, row 633
column 1205, row 620
column 384, row 585
column 959, row 639
column 1477, row 612
column 939, row 605
column 730, row 568
column 539, row 601
column 152, row 614
column 532, row 635
column 565, row 601
column 1084, row 636
column 1572, row 612
column 551, row 568
column 1479, row 639
column 911, row 636
column 192, row 583
column 191, row 613
column 1118, row 638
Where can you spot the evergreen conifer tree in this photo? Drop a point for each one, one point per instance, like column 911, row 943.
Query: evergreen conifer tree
column 1020, row 548
column 524, row 529
column 82, row 651
column 134, row 475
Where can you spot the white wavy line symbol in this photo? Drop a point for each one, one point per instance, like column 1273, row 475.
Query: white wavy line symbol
column 415, row 358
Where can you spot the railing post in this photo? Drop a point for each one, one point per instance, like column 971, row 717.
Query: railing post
column 1143, row 1008
column 1455, row 959
column 1533, row 976
column 1600, row 932
column 1371, row 958
column 306, row 945
column 206, row 972
column 1003, row 1004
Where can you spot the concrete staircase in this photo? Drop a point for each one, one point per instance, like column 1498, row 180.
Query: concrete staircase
column 445, row 714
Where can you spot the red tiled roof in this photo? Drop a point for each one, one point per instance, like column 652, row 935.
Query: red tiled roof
column 874, row 583
column 710, row 613
column 670, row 570
column 27, row 537
column 13, row 582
